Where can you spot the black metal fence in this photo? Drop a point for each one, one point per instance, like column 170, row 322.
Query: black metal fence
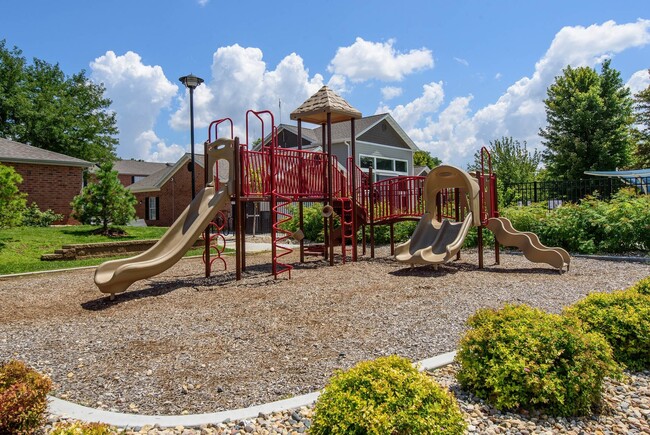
column 554, row 193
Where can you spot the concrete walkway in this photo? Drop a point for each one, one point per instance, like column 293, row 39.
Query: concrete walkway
column 67, row 409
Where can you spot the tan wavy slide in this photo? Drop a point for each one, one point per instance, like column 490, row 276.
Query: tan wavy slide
column 117, row 275
column 529, row 244
column 434, row 242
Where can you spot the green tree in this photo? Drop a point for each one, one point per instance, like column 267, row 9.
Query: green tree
column 642, row 132
column 41, row 106
column 513, row 163
column 589, row 117
column 12, row 201
column 424, row 158
column 105, row 201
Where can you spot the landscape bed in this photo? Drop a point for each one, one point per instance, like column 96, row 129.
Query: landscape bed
column 181, row 343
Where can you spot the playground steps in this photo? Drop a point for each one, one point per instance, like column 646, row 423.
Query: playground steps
column 529, row 244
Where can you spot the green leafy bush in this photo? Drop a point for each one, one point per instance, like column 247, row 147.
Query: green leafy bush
column 522, row 357
column 623, row 318
column 385, row 396
column 34, row 217
column 642, row 286
column 23, row 398
column 79, row 428
column 312, row 222
column 619, row 225
column 12, row 200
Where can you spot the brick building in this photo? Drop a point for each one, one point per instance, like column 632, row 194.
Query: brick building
column 132, row 171
column 163, row 195
column 51, row 180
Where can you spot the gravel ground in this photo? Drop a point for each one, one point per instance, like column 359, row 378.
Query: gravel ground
column 181, row 343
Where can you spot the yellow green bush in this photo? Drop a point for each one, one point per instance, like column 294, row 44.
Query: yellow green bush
column 79, row 428
column 643, row 286
column 385, row 396
column 623, row 318
column 521, row 357
column 23, row 398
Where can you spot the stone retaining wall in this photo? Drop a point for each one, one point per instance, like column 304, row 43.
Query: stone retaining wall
column 98, row 250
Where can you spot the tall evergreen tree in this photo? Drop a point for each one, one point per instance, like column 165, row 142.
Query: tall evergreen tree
column 105, row 201
column 642, row 133
column 42, row 107
column 589, row 117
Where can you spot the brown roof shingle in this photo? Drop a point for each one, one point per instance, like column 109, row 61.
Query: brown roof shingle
column 16, row 152
column 325, row 101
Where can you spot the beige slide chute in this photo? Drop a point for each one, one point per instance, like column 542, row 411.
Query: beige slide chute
column 117, row 275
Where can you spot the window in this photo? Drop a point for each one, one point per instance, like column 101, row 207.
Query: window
column 136, row 178
column 386, row 166
column 366, row 162
column 151, row 208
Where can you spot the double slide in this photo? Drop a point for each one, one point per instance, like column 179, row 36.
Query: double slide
column 433, row 242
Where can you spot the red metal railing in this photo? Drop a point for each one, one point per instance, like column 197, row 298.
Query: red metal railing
column 398, row 197
column 362, row 182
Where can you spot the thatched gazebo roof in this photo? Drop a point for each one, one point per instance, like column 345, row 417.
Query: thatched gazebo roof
column 325, row 101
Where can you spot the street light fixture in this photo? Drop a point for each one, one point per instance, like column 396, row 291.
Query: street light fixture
column 191, row 82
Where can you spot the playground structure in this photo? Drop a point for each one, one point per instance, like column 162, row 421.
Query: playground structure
column 447, row 202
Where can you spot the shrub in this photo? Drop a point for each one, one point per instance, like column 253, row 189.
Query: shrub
column 23, row 398
column 34, row 217
column 642, row 286
column 12, row 200
column 78, row 428
column 522, row 357
column 623, row 318
column 385, row 396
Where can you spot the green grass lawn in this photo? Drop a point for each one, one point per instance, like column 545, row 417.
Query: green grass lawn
column 21, row 248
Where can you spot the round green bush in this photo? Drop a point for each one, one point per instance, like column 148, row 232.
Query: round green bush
column 642, row 286
column 385, row 396
column 23, row 398
column 623, row 318
column 522, row 357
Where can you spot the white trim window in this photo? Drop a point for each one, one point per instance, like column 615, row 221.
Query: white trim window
column 383, row 167
column 152, row 208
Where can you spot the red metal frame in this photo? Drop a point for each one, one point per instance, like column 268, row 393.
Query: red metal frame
column 281, row 176
column 213, row 243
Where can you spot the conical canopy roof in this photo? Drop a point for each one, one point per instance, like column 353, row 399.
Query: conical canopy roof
column 325, row 101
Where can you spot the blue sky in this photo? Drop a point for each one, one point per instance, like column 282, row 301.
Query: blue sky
column 455, row 74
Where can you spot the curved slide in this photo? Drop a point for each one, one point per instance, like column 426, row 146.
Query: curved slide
column 117, row 275
column 529, row 244
column 434, row 242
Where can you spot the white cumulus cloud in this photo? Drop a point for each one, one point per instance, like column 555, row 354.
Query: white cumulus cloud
column 390, row 92
column 366, row 60
column 639, row 81
column 139, row 92
column 461, row 61
column 408, row 115
column 457, row 133
column 241, row 80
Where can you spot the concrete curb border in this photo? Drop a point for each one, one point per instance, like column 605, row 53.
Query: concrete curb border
column 67, row 409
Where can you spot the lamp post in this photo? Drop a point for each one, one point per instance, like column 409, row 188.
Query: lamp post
column 191, row 82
